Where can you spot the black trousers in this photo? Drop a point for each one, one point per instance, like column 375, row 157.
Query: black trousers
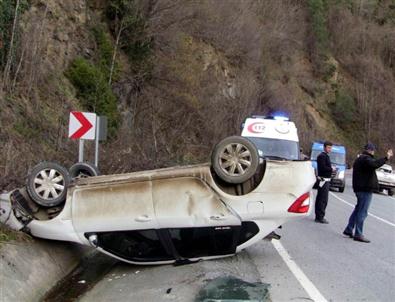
column 321, row 201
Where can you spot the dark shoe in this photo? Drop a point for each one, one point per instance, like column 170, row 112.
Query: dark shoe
column 361, row 239
column 323, row 220
column 348, row 234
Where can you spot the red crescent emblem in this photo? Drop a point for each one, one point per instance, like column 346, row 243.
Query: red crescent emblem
column 257, row 127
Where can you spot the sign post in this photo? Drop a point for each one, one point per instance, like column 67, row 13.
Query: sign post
column 81, row 151
column 97, row 142
column 101, row 135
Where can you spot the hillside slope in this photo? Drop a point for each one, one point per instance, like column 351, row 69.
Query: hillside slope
column 176, row 76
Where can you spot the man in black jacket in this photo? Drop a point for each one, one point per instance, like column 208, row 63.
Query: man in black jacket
column 324, row 172
column 364, row 182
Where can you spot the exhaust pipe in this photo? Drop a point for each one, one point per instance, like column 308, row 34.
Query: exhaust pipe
column 273, row 235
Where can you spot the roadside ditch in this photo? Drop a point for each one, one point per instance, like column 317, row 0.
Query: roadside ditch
column 29, row 268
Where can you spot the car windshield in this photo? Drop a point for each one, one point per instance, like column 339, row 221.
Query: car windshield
column 336, row 158
column 277, row 148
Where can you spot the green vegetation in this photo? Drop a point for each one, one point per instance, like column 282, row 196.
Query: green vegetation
column 318, row 14
column 384, row 12
column 93, row 90
column 349, row 4
column 7, row 235
column 343, row 109
column 105, row 50
column 23, row 128
column 329, row 70
column 91, row 79
column 318, row 10
column 130, row 26
column 7, row 12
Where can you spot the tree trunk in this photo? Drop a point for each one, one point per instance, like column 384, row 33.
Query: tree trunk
column 18, row 68
column 115, row 52
column 36, row 55
column 7, row 68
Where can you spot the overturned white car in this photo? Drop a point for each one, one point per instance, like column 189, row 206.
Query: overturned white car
column 173, row 215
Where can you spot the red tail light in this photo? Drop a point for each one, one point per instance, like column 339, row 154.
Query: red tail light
column 301, row 205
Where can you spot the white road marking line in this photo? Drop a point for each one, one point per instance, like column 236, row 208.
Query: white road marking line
column 352, row 205
column 309, row 287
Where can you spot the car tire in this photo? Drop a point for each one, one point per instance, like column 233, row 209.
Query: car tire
column 341, row 190
column 390, row 192
column 235, row 159
column 47, row 184
column 83, row 170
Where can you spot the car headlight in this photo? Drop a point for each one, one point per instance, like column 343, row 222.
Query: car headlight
column 341, row 174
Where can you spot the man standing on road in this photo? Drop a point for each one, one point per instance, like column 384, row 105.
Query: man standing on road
column 364, row 182
column 324, row 171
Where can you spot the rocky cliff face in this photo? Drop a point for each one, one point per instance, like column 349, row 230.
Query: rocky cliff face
column 176, row 76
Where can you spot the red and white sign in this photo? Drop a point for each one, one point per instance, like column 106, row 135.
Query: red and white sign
column 82, row 125
column 270, row 128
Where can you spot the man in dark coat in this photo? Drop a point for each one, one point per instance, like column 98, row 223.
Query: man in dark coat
column 364, row 183
column 324, row 173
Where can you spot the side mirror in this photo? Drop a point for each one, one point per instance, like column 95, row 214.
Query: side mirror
column 348, row 166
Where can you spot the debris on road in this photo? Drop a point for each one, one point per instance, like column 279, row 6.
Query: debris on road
column 234, row 289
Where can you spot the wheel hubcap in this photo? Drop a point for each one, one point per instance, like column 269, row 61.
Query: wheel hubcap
column 49, row 184
column 235, row 159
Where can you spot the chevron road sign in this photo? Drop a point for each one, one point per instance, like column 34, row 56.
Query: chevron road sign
column 82, row 125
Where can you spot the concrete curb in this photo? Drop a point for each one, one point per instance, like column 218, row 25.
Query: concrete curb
column 29, row 269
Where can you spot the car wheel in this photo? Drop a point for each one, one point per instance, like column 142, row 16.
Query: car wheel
column 341, row 190
column 235, row 159
column 390, row 192
column 83, row 170
column 47, row 184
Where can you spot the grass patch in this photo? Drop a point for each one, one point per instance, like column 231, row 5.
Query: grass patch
column 7, row 235
column 23, row 128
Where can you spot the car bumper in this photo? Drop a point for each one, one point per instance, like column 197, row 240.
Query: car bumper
column 386, row 185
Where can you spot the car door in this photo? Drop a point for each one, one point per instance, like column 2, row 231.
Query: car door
column 121, row 219
column 195, row 220
column 113, row 207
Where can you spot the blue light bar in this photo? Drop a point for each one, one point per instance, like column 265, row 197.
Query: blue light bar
column 280, row 118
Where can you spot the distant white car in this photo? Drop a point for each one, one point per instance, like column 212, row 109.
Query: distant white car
column 386, row 179
column 173, row 215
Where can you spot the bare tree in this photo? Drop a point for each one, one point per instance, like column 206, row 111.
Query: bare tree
column 36, row 53
column 10, row 56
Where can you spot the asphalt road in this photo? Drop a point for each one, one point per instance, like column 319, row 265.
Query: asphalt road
column 341, row 268
column 323, row 265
